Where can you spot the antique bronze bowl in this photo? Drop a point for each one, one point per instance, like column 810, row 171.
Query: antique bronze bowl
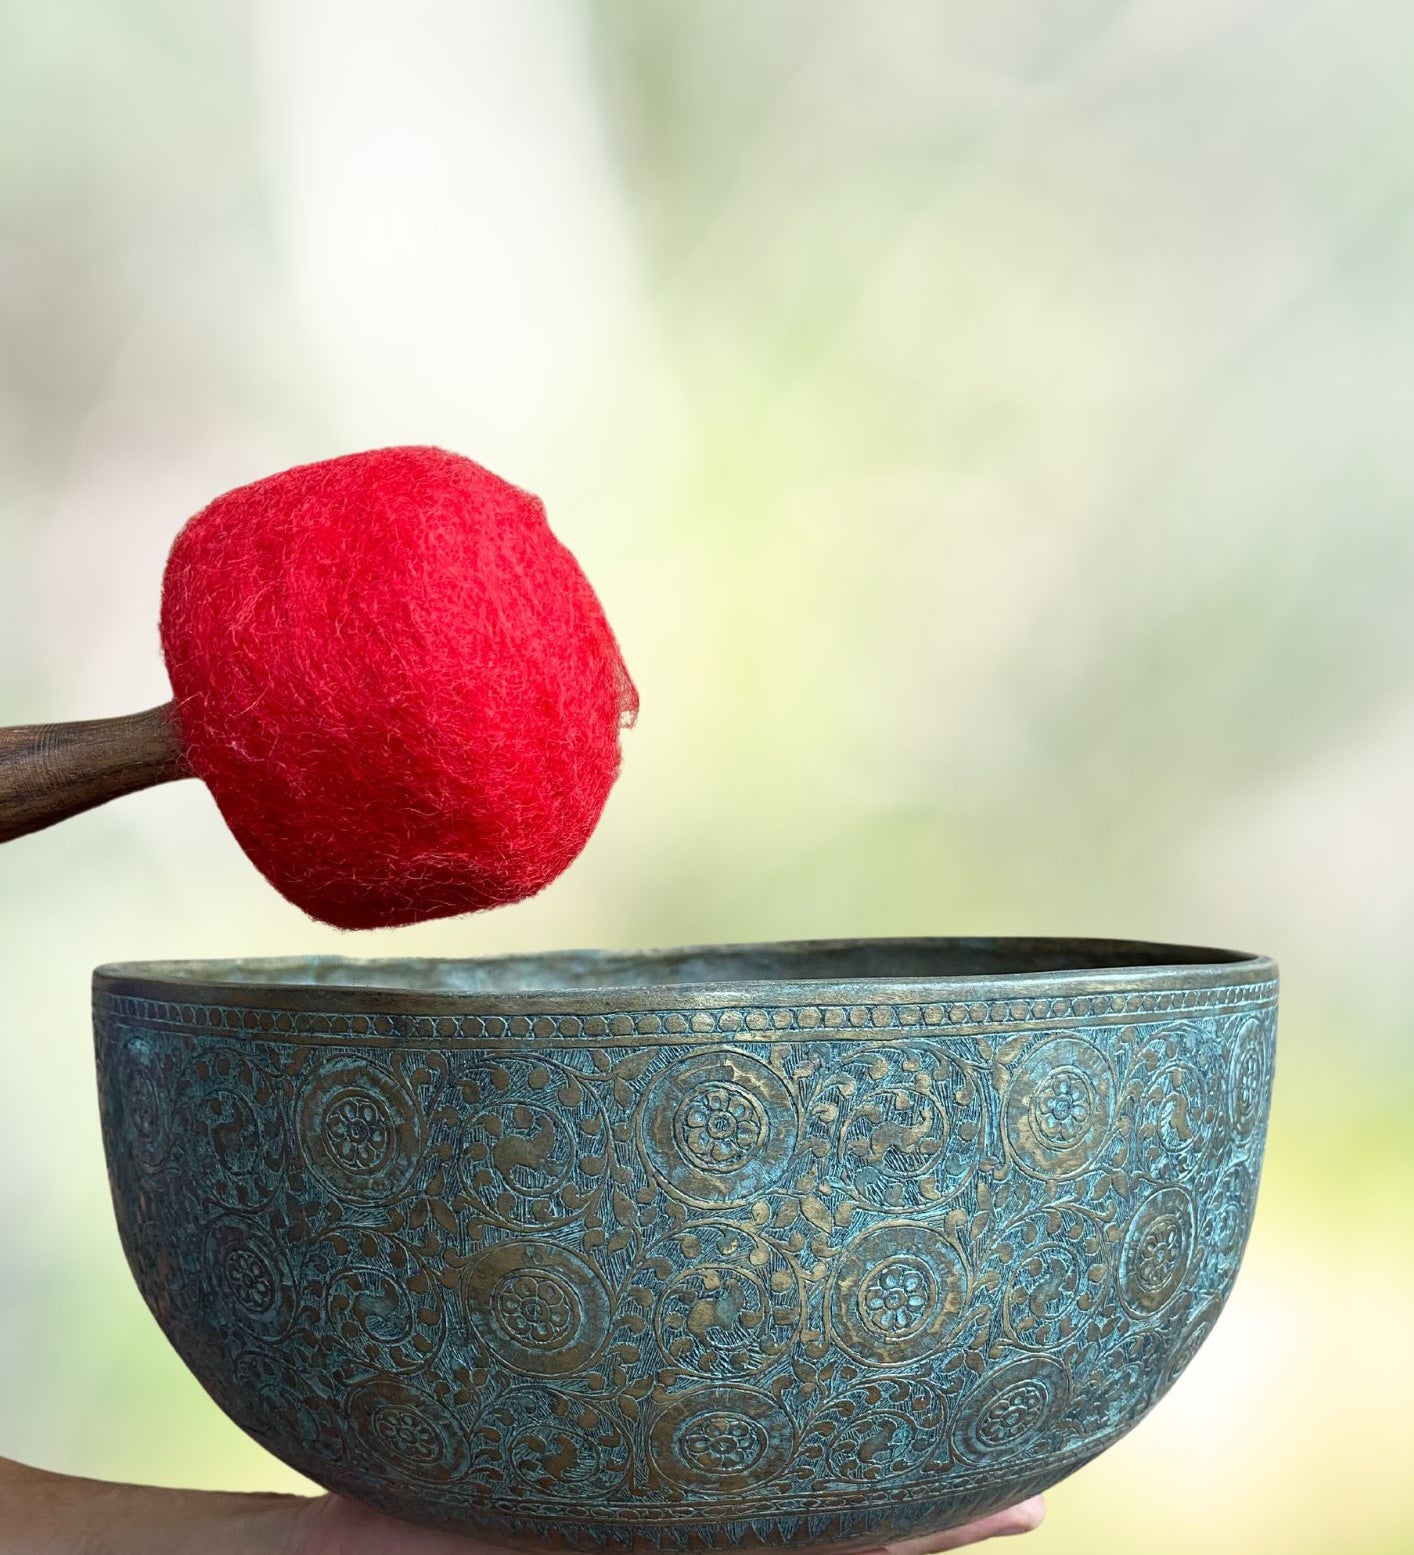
column 785, row 1245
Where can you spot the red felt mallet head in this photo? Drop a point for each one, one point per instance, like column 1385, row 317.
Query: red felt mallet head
column 398, row 684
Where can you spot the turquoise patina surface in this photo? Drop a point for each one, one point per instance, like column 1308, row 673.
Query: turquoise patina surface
column 758, row 1246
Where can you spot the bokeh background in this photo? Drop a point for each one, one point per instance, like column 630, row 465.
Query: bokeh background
column 989, row 427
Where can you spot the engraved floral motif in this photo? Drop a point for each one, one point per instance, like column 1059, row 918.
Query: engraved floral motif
column 1063, row 1106
column 247, row 1272
column 1158, row 1253
column 362, row 1130
column 1247, row 1082
column 410, row 1431
column 721, row 1443
column 1059, row 1107
column 897, row 1297
column 720, row 1127
column 540, row 1307
column 1249, row 1075
column 1011, row 1414
column 535, row 1309
column 357, row 1133
column 1011, row 1409
column 250, row 1279
column 1157, row 1250
column 897, row 1293
column 407, row 1436
column 722, row 1438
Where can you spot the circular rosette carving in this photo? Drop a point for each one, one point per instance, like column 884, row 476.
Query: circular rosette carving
column 729, row 1305
column 278, row 1405
column 559, row 1447
column 1227, row 1223
column 1059, row 1107
column 404, row 1433
column 721, row 1439
column 907, row 1122
column 362, row 1130
column 379, row 1301
column 896, row 1294
column 1009, row 1412
column 879, row 1431
column 1249, row 1076
column 248, row 1279
column 541, row 1308
column 718, row 1128
column 237, row 1130
column 144, row 1102
column 533, row 1144
column 1157, row 1252
column 1055, row 1271
column 1190, row 1340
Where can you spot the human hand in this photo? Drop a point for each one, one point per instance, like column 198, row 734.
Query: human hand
column 338, row 1527
column 55, row 1514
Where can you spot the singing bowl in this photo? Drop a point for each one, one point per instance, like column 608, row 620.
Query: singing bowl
column 758, row 1246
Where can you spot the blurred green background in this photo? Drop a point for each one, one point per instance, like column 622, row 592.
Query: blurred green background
column 989, row 427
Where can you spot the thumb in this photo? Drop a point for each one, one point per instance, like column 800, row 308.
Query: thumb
column 330, row 1525
column 1024, row 1518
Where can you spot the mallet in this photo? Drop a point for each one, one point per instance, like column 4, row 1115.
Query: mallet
column 398, row 684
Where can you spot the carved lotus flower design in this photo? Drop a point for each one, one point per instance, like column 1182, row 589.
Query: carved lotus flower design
column 1160, row 1253
column 724, row 1444
column 357, row 1133
column 1011, row 1414
column 721, row 1126
column 407, row 1435
column 534, row 1309
column 1063, row 1107
column 897, row 1298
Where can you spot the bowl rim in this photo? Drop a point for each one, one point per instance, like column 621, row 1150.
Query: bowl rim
column 325, row 981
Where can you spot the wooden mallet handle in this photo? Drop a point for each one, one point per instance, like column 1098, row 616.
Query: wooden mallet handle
column 49, row 772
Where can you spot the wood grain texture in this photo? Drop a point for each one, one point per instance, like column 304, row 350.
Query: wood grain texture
column 49, row 772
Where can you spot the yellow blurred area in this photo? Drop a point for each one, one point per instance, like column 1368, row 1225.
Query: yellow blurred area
column 988, row 427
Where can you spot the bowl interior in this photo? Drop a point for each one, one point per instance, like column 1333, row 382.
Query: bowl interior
column 723, row 967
